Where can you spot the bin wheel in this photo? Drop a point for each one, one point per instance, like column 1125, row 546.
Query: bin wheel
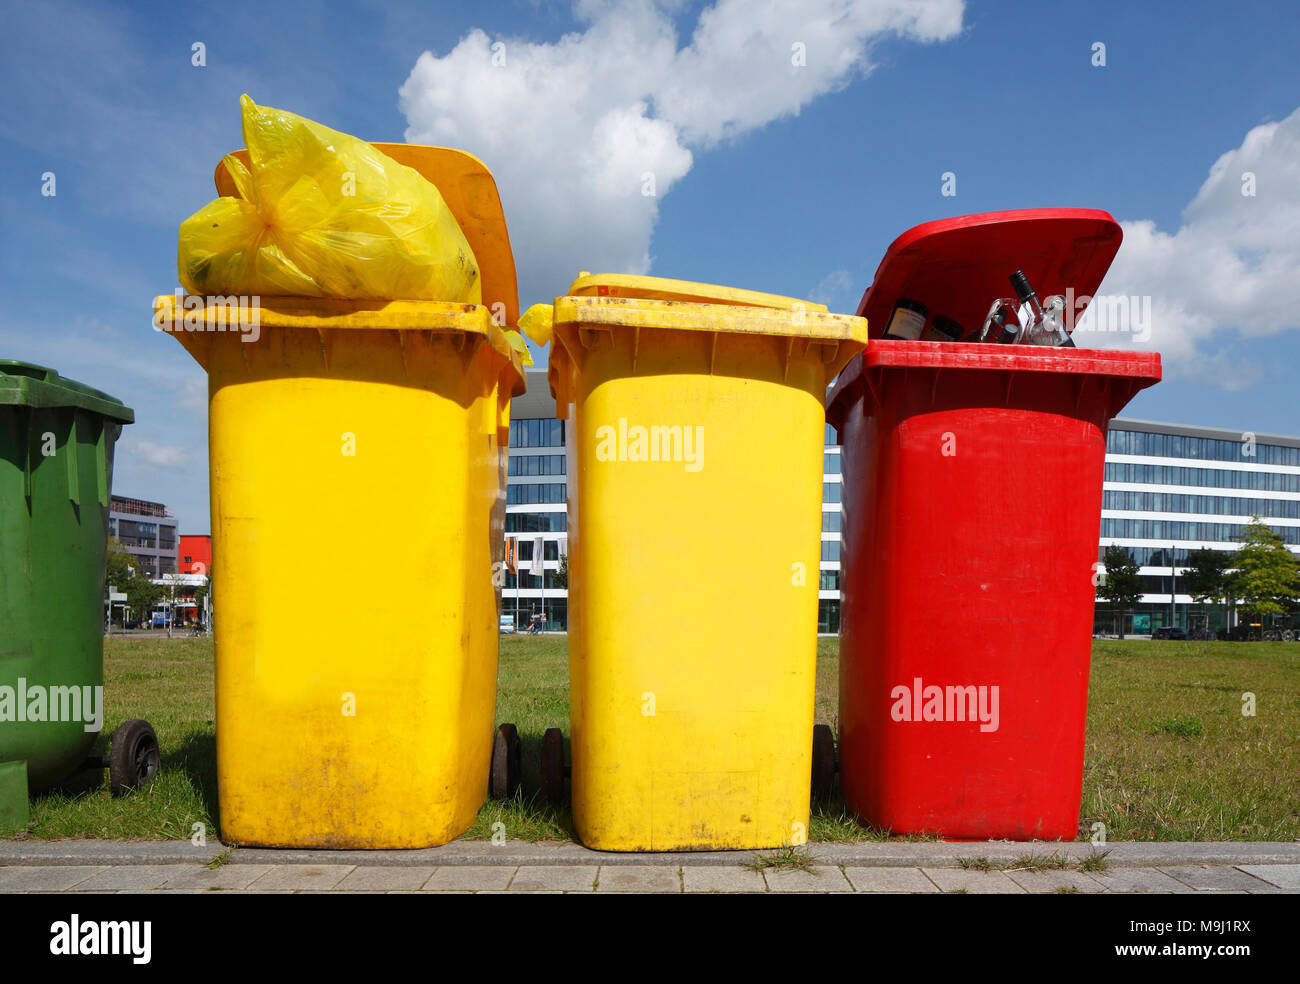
column 133, row 758
column 507, row 762
column 823, row 762
column 553, row 765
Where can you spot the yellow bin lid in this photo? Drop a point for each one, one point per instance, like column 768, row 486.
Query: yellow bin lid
column 663, row 289
column 598, row 304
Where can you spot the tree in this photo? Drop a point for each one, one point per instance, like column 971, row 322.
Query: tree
column 118, row 565
column 1267, row 579
column 142, row 594
column 1121, row 585
column 1206, row 576
column 121, row 572
column 561, row 576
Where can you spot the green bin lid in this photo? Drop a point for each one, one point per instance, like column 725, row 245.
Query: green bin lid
column 26, row 384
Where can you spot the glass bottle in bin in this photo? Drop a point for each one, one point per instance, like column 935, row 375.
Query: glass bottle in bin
column 942, row 330
column 908, row 320
column 1044, row 327
column 1000, row 325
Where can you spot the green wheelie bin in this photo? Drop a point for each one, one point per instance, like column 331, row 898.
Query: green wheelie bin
column 56, row 469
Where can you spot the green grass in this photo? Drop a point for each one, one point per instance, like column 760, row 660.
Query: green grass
column 169, row 683
column 1096, row 861
column 1169, row 754
column 786, row 859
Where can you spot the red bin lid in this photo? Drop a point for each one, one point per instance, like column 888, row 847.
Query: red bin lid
column 957, row 267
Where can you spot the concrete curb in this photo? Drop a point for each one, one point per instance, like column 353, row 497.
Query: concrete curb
column 889, row 854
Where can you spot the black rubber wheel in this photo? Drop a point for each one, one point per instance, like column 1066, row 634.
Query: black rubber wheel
column 133, row 759
column 507, row 763
column 823, row 762
column 553, row 765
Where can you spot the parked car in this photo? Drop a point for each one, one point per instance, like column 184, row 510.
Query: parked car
column 1169, row 632
column 507, row 624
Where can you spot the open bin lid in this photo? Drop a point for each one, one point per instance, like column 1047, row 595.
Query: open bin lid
column 958, row 267
column 26, row 384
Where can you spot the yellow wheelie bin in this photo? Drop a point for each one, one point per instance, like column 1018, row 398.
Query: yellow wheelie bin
column 696, row 433
column 357, row 490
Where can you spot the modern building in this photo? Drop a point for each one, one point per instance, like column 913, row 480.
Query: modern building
column 536, row 508
column 1168, row 489
column 195, row 553
column 828, row 587
column 147, row 531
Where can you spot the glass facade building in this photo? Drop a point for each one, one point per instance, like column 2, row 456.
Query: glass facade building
column 1167, row 489
column 1170, row 489
column 536, row 508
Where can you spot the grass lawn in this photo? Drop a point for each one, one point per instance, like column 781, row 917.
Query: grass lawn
column 1169, row 756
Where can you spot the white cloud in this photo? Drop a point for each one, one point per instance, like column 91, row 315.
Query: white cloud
column 157, row 455
column 1232, row 267
column 193, row 393
column 836, row 291
column 572, row 129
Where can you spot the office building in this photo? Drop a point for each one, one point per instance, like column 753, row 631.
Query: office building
column 147, row 531
column 1168, row 489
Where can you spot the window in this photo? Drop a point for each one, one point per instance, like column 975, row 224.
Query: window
column 1150, row 529
column 831, row 522
column 828, row 615
column 1117, row 471
column 830, row 492
column 1185, row 446
column 536, row 464
column 551, row 492
column 831, row 550
column 553, row 522
column 1204, row 504
column 831, row 463
column 537, row 433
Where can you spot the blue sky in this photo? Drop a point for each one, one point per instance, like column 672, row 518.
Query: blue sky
column 793, row 183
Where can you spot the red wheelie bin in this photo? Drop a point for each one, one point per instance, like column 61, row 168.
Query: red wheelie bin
column 972, row 504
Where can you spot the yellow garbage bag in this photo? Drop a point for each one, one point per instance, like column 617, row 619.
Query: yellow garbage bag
column 537, row 322
column 324, row 214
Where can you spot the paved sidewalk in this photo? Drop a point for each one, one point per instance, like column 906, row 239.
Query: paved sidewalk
column 519, row 867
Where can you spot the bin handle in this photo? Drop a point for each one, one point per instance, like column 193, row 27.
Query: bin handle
column 502, row 398
column 27, row 469
column 70, row 462
column 101, row 462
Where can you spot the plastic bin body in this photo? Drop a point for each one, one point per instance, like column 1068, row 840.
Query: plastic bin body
column 57, row 440
column 693, row 583
column 971, row 511
column 357, row 456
